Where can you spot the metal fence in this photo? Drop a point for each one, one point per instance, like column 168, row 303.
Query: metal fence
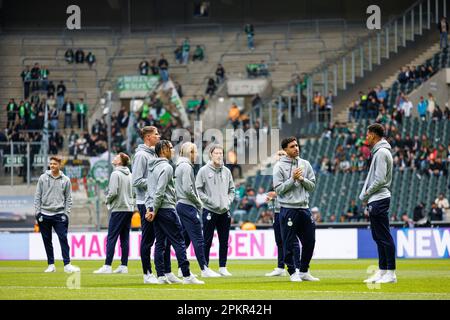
column 336, row 73
column 21, row 160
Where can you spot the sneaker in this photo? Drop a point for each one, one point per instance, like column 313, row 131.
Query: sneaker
column 377, row 276
column 104, row 269
column 121, row 269
column 295, row 277
column 180, row 273
column 50, row 268
column 388, row 277
column 306, row 276
column 192, row 280
column 172, row 278
column 149, row 278
column 208, row 273
column 68, row 268
column 277, row 272
column 162, row 280
column 224, row 272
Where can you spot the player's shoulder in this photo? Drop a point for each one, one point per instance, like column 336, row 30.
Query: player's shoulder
column 42, row 177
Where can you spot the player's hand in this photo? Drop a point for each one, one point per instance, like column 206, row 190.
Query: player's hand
column 270, row 196
column 150, row 216
column 296, row 174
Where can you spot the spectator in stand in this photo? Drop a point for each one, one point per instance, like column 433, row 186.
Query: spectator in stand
column 178, row 52
column 363, row 99
column 186, row 47
column 43, row 77
column 26, row 78
column 407, row 222
column 407, row 107
column 79, row 56
column 220, row 74
column 353, row 111
column 233, row 115
column 69, row 56
column 245, row 206
column 443, row 204
column 372, row 107
column 11, row 110
column 315, row 212
column 90, row 59
column 163, row 65
column 199, row 53
column 143, row 68
column 60, row 93
column 35, row 74
column 54, row 118
column 319, row 105
column 22, row 111
column 353, row 212
column 446, row 112
column 419, row 212
column 260, row 199
column 329, row 103
column 431, row 105
column 82, row 112
column 412, row 75
column 435, row 212
column 437, row 114
column 68, row 108
column 381, row 93
column 211, row 87
column 443, row 30
column 50, row 89
column 51, row 102
column 179, row 88
column 250, row 32
column 154, row 68
column 402, row 76
column 422, row 108
column 266, row 217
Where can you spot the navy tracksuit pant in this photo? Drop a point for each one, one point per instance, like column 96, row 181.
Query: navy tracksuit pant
column 379, row 225
column 167, row 226
column 297, row 223
column 222, row 222
column 192, row 227
column 147, row 240
column 119, row 226
column 279, row 242
column 59, row 222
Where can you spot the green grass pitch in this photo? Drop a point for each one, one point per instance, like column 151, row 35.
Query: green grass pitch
column 340, row 279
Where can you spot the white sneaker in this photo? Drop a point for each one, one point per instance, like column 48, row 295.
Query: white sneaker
column 149, row 278
column 180, row 273
column 224, row 272
column 388, row 277
column 121, row 269
column 208, row 273
column 192, row 280
column 306, row 276
column 295, row 277
column 277, row 272
column 377, row 276
column 172, row 278
column 50, row 268
column 162, row 280
column 68, row 268
column 104, row 269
